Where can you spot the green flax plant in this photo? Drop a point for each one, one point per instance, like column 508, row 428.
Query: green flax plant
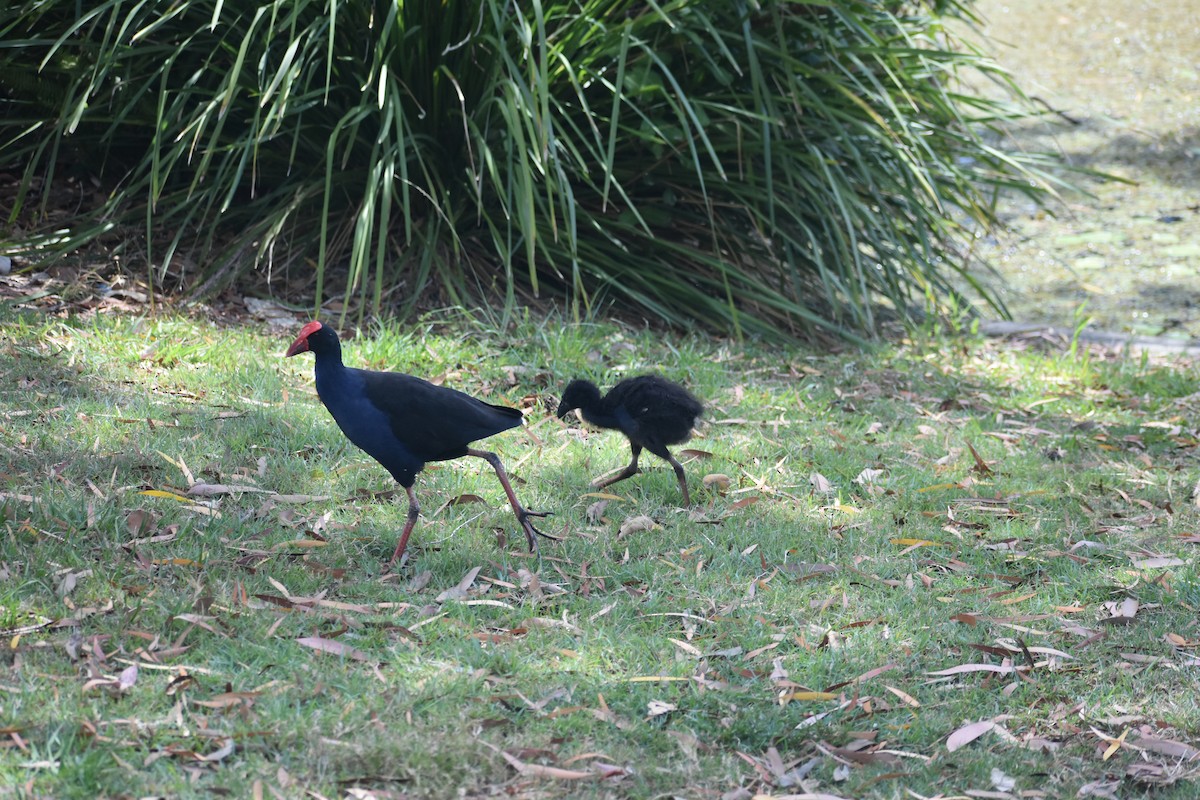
column 763, row 167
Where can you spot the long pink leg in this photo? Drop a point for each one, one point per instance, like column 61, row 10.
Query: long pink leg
column 522, row 513
column 414, row 509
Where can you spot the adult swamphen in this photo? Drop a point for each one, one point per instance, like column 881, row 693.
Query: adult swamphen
column 403, row 422
column 650, row 410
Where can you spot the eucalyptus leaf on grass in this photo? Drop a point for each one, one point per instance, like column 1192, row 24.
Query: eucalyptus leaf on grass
column 756, row 167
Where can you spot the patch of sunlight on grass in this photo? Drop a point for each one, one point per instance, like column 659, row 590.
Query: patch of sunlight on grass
column 1023, row 518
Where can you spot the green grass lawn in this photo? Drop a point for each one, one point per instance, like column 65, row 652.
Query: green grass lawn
column 941, row 539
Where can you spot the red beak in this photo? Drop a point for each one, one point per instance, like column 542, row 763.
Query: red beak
column 301, row 343
column 298, row 346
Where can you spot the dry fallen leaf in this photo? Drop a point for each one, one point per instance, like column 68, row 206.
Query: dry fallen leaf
column 215, row 489
column 420, row 581
column 1166, row 747
column 221, row 753
column 71, row 580
column 1121, row 612
column 138, row 521
column 904, row 696
column 200, row 621
column 542, row 771
column 164, row 495
column 981, row 466
column 1114, row 744
column 1002, row 782
column 595, row 512
column 460, row 591
column 790, row 696
column 686, row 647
column 820, row 483
column 906, row 542
column 299, row 498
column 1158, row 562
column 1102, row 788
column 636, row 524
column 128, row 677
column 228, row 700
column 968, row 733
column 717, row 481
column 962, row 669
column 656, row 708
column 333, row 647
column 299, row 544
column 868, row 476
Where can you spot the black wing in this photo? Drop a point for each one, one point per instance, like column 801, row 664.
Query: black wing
column 435, row 422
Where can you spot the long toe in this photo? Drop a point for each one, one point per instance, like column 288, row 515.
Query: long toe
column 531, row 530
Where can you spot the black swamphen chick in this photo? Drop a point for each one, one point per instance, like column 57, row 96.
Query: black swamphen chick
column 403, row 422
column 650, row 410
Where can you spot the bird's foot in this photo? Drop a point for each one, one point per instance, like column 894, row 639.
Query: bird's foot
column 394, row 565
column 530, row 529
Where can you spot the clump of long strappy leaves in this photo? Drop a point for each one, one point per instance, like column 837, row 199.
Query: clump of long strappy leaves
column 761, row 167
